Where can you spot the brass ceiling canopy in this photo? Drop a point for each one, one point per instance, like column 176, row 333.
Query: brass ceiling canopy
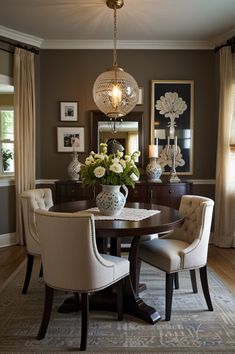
column 115, row 3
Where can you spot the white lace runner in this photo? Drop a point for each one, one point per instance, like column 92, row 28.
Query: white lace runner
column 130, row 214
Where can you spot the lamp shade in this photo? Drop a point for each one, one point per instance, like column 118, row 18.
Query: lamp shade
column 115, row 92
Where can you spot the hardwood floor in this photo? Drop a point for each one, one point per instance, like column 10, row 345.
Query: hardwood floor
column 10, row 259
column 221, row 260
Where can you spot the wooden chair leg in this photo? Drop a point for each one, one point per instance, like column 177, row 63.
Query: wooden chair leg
column 119, row 289
column 205, row 288
column 176, row 280
column 47, row 311
column 193, row 280
column 85, row 313
column 169, row 294
column 30, row 259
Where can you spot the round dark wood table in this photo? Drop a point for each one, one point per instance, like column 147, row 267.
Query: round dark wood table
column 166, row 220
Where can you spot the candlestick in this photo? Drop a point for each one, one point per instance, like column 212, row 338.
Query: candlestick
column 175, row 141
column 168, row 141
column 153, row 151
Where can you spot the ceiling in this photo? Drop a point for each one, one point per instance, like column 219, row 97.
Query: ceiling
column 141, row 23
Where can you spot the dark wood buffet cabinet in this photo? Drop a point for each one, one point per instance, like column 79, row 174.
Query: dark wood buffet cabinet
column 168, row 194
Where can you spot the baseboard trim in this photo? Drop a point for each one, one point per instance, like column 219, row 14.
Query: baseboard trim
column 8, row 239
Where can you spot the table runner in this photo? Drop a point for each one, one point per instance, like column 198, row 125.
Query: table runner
column 130, row 214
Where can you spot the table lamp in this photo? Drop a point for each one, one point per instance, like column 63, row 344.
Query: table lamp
column 153, row 169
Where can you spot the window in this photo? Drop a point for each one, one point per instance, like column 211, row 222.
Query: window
column 6, row 141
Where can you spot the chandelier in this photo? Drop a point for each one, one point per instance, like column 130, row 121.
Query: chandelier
column 115, row 92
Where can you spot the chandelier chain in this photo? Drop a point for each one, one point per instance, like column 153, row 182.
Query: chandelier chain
column 115, row 37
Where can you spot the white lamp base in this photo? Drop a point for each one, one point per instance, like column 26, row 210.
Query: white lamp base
column 154, row 171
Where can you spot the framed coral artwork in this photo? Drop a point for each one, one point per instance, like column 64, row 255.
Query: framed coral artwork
column 172, row 120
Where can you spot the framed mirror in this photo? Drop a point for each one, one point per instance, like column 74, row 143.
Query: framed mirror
column 126, row 131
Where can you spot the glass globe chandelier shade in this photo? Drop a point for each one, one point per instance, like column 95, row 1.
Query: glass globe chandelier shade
column 115, row 92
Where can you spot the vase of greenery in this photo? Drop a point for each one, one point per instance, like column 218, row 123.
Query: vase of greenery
column 6, row 156
column 112, row 172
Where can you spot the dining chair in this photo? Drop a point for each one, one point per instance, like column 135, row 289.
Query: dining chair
column 71, row 262
column 185, row 248
column 30, row 201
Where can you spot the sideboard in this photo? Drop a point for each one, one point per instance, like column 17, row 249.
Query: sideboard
column 168, row 194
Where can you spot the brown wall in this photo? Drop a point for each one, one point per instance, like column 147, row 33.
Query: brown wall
column 69, row 75
column 6, row 100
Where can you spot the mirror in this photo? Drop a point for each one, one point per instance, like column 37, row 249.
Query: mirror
column 127, row 132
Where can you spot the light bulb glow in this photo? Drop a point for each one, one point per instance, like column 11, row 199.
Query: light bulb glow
column 116, row 96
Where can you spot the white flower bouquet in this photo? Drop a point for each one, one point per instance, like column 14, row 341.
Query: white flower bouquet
column 113, row 169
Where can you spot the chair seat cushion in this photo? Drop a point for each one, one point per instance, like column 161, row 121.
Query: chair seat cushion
column 163, row 253
column 121, row 266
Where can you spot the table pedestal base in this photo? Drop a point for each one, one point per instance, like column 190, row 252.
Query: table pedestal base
column 135, row 307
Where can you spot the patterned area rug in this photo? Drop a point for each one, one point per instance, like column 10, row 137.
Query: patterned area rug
column 192, row 328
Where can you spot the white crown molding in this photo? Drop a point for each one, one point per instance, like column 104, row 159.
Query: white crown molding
column 20, row 36
column 126, row 44
column 224, row 37
column 108, row 44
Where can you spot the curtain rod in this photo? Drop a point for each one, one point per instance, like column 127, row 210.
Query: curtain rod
column 22, row 46
column 230, row 43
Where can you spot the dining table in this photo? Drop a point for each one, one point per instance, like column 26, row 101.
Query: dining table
column 165, row 219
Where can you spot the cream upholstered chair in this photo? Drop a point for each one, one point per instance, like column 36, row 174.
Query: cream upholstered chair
column 185, row 248
column 71, row 262
column 30, row 201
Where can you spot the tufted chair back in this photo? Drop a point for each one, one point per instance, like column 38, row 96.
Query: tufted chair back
column 195, row 230
column 185, row 248
column 75, row 263
column 30, row 201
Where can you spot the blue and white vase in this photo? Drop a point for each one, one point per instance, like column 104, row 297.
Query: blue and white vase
column 110, row 201
column 154, row 171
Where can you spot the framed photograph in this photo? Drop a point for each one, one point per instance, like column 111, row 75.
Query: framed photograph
column 141, row 96
column 172, row 120
column 69, row 111
column 70, row 139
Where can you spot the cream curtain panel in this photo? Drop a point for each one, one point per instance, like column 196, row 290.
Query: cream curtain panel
column 225, row 165
column 24, row 105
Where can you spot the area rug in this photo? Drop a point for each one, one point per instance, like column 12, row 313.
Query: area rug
column 192, row 328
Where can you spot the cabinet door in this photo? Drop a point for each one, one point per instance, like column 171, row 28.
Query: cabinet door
column 69, row 191
column 168, row 194
column 138, row 194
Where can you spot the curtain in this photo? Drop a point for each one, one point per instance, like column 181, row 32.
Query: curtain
column 224, row 235
column 24, row 105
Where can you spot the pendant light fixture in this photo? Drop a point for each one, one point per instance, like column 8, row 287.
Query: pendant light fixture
column 115, row 92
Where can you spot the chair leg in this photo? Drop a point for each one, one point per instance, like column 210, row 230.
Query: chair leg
column 176, row 280
column 205, row 288
column 30, row 260
column 169, row 294
column 41, row 271
column 47, row 311
column 193, row 280
column 85, row 313
column 119, row 289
